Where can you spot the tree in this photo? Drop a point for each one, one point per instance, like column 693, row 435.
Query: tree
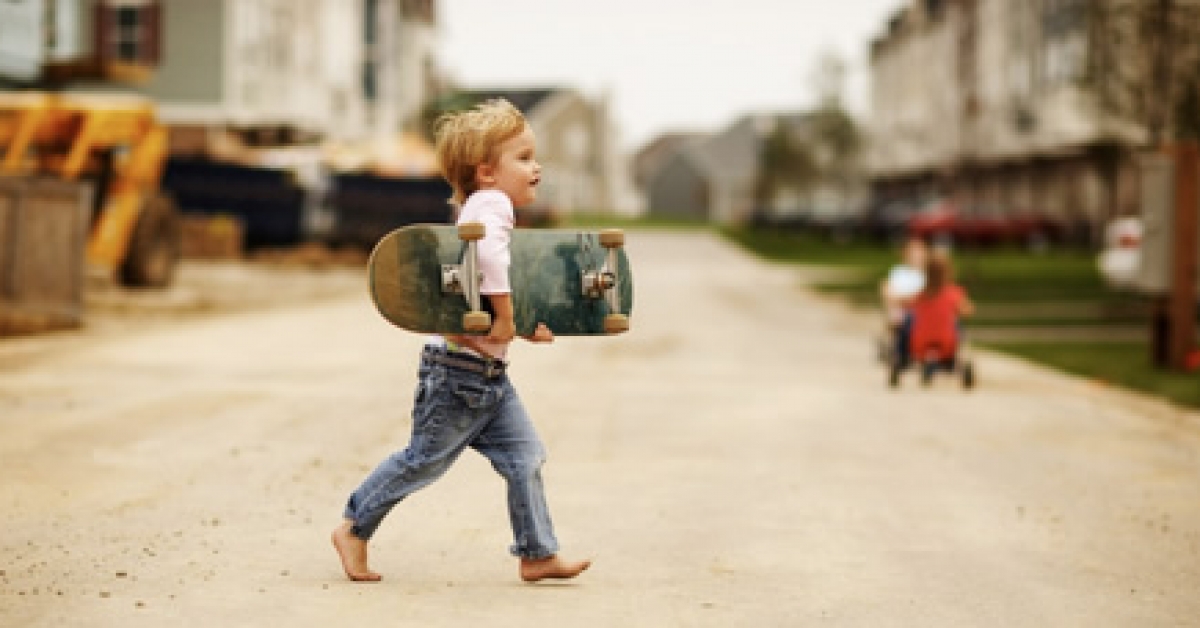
column 828, row 80
column 822, row 148
column 1146, row 70
column 783, row 164
column 1144, row 65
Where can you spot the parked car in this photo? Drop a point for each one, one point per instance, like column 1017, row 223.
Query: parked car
column 886, row 220
column 946, row 222
column 834, row 223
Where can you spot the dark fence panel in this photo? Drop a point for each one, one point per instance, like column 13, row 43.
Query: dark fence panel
column 368, row 207
column 268, row 202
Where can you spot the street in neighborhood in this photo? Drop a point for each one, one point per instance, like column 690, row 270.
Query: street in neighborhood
column 734, row 460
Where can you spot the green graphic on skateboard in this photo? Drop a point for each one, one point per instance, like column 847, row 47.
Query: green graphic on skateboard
column 425, row 278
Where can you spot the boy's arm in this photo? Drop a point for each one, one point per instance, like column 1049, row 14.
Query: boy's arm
column 965, row 306
column 503, row 325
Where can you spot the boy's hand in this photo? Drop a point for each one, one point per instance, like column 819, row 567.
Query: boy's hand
column 503, row 330
column 541, row 334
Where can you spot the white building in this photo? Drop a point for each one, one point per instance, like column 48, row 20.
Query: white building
column 345, row 69
column 342, row 69
column 994, row 103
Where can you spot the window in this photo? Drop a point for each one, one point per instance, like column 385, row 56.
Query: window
column 128, row 33
column 370, row 34
column 1064, row 31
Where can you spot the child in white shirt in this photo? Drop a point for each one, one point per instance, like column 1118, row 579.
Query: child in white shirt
column 464, row 397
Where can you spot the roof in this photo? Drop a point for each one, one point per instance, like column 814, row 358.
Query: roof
column 732, row 155
column 659, row 151
column 524, row 99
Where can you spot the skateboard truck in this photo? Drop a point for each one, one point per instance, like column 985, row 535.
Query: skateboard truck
column 603, row 284
column 465, row 278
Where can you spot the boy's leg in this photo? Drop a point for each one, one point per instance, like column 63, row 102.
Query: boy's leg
column 904, row 340
column 512, row 445
column 443, row 426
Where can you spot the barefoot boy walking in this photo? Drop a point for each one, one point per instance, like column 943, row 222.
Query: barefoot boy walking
column 464, row 397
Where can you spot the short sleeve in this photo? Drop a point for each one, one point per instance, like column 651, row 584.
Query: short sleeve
column 495, row 211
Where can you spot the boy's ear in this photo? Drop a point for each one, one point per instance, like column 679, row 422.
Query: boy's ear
column 485, row 174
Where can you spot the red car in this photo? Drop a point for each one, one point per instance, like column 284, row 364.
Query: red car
column 945, row 221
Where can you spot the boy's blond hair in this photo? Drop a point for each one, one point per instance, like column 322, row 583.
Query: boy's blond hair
column 466, row 139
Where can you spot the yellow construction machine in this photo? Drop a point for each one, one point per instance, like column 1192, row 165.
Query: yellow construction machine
column 115, row 144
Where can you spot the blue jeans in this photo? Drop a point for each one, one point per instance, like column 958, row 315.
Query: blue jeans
column 900, row 341
column 455, row 408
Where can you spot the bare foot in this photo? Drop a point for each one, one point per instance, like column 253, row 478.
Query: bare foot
column 353, row 552
column 533, row 570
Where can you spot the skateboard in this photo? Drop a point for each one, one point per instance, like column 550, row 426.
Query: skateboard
column 425, row 279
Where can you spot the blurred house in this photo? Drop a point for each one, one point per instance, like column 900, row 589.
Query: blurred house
column 680, row 191
column 673, row 180
column 337, row 69
column 50, row 43
column 583, row 170
column 718, row 177
column 269, row 72
column 997, row 104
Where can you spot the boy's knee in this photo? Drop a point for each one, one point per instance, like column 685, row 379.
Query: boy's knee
column 523, row 467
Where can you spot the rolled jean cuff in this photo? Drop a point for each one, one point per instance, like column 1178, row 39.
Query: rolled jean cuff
column 532, row 554
column 359, row 529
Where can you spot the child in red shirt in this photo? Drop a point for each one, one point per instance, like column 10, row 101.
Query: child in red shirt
column 936, row 312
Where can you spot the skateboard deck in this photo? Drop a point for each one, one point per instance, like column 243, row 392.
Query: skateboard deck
column 407, row 280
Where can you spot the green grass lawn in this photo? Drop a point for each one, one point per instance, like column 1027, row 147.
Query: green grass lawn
column 1122, row 363
column 991, row 276
column 1013, row 289
column 802, row 248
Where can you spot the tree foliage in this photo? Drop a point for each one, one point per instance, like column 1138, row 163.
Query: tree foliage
column 783, row 164
column 1145, row 64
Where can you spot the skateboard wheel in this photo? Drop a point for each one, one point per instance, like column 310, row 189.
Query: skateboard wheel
column 471, row 231
column 477, row 321
column 612, row 238
column 616, row 323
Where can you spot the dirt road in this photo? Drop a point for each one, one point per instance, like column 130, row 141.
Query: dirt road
column 734, row 461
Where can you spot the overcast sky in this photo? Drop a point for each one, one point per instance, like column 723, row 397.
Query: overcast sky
column 670, row 64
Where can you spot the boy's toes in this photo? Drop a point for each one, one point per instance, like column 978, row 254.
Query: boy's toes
column 353, row 553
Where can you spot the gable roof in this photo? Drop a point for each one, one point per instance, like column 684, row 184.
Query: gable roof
column 661, row 150
column 524, row 99
column 731, row 156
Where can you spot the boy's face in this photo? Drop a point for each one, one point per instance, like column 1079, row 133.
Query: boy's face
column 915, row 253
column 516, row 172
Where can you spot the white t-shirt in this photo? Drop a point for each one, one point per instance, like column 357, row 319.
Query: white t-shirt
column 494, row 209
column 905, row 282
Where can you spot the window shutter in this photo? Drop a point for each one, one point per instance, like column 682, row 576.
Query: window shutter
column 151, row 19
column 102, row 32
